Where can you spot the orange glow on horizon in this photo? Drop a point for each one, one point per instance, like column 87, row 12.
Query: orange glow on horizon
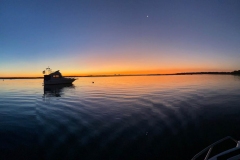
column 112, row 72
column 135, row 72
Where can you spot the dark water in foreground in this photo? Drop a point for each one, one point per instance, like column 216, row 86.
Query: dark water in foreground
column 154, row 117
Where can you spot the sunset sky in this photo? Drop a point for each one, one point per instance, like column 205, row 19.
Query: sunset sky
column 87, row 37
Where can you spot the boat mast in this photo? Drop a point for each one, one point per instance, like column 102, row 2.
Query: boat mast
column 47, row 71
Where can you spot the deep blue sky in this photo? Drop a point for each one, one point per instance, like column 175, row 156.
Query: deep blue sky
column 103, row 36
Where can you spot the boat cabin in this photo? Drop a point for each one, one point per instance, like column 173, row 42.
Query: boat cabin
column 53, row 75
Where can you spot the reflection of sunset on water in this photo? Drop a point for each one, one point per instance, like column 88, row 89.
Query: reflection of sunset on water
column 99, row 112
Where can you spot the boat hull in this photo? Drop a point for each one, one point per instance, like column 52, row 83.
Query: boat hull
column 59, row 81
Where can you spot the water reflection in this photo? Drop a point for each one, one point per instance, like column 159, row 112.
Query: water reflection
column 55, row 90
column 236, row 77
column 146, row 116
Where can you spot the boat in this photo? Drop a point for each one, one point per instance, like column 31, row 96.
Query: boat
column 55, row 77
column 232, row 153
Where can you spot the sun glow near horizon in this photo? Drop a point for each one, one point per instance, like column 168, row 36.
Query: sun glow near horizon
column 110, row 72
column 125, row 62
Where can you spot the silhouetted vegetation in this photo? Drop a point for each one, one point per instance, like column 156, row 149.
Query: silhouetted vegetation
column 191, row 73
column 236, row 72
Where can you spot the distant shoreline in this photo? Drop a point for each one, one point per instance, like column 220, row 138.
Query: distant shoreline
column 118, row 75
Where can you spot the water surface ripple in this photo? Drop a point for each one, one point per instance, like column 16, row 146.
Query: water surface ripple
column 145, row 117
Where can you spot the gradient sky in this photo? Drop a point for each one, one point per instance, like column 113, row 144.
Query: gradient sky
column 84, row 37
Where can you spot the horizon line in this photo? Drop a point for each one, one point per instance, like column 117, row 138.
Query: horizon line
column 117, row 75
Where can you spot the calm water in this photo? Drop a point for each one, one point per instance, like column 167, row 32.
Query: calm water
column 154, row 117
